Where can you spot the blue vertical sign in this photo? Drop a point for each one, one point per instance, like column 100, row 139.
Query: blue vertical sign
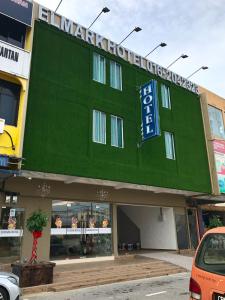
column 149, row 110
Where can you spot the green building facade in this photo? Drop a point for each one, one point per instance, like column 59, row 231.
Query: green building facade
column 85, row 165
column 59, row 124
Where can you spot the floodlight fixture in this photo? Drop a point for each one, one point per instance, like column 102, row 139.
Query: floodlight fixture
column 181, row 56
column 14, row 199
column 136, row 29
column 201, row 68
column 58, row 5
column 159, row 45
column 104, row 10
column 7, row 199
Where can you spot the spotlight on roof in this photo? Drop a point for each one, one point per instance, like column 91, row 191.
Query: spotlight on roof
column 201, row 68
column 136, row 29
column 181, row 56
column 104, row 10
column 159, row 45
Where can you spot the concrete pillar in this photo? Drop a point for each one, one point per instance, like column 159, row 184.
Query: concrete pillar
column 31, row 205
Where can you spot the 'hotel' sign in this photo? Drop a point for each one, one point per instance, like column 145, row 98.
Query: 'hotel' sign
column 149, row 109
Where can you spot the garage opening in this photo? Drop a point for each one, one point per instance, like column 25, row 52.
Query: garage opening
column 146, row 227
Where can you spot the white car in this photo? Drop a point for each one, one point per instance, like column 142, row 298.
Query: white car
column 9, row 286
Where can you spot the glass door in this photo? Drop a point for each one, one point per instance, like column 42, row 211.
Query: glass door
column 193, row 227
column 11, row 232
column 80, row 229
column 181, row 228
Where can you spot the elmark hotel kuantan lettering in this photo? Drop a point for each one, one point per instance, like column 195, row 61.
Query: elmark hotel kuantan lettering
column 9, row 54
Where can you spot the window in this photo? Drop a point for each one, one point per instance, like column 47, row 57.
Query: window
column 169, row 144
column 99, row 127
column 99, row 68
column 12, row 31
column 211, row 254
column 116, row 131
column 165, row 92
column 115, row 75
column 216, row 122
column 9, row 102
column 80, row 229
column 11, row 224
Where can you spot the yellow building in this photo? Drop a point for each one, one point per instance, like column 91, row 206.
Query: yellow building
column 15, row 56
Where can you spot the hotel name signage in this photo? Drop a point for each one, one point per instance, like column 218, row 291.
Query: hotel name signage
column 14, row 60
column 9, row 54
column 101, row 42
column 20, row 10
column 149, row 109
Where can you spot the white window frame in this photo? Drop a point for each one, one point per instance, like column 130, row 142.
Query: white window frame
column 170, row 153
column 121, row 80
column 93, row 127
column 166, row 102
column 122, row 135
column 95, row 76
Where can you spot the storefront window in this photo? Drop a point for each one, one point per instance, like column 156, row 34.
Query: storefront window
column 80, row 229
column 216, row 122
column 12, row 32
column 9, row 102
column 11, row 231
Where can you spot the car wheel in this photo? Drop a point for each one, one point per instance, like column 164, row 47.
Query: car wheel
column 3, row 294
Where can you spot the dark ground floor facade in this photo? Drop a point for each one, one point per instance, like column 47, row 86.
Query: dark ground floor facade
column 93, row 219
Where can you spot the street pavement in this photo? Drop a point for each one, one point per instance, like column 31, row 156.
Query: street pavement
column 159, row 288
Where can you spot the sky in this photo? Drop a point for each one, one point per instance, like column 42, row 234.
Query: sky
column 192, row 27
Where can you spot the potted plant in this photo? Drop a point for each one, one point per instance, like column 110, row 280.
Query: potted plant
column 34, row 272
column 214, row 222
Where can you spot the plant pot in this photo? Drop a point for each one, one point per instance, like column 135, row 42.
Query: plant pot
column 34, row 274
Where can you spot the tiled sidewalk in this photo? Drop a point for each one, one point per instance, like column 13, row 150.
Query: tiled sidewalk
column 72, row 276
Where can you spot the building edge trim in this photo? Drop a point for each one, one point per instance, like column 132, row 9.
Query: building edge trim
column 67, row 179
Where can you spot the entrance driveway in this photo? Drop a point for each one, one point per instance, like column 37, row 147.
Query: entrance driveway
column 171, row 257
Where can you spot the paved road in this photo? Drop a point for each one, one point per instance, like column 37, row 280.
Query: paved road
column 166, row 287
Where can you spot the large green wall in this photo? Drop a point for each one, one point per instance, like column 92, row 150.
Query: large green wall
column 58, row 135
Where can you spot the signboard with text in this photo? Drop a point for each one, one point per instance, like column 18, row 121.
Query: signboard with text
column 149, row 110
column 4, row 161
column 101, row 42
column 20, row 10
column 14, row 60
column 219, row 152
column 80, row 231
column 11, row 232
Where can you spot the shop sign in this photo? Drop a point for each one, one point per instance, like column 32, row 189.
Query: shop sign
column 58, row 231
column 149, row 109
column 2, row 125
column 72, row 231
column 20, row 10
column 105, row 230
column 101, row 42
column 4, row 160
column 219, row 152
column 12, row 212
column 14, row 60
column 79, row 231
column 11, row 233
